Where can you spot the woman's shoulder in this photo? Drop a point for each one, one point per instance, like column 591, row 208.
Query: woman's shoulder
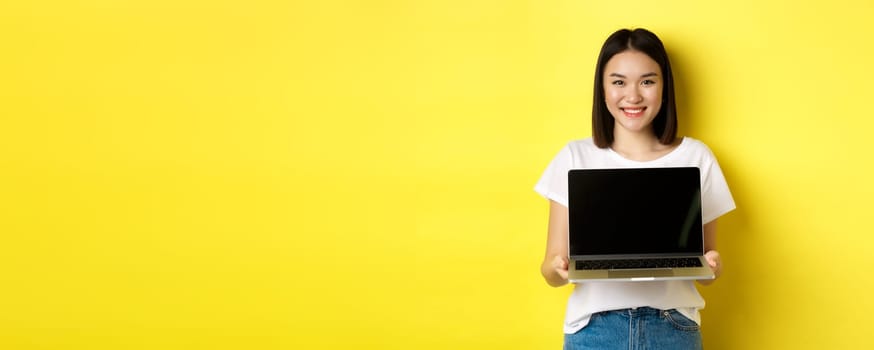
column 585, row 154
column 585, row 145
column 695, row 148
column 695, row 144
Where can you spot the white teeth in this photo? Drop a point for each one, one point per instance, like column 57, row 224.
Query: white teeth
column 633, row 110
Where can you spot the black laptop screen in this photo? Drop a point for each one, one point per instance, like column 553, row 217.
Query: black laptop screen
column 640, row 211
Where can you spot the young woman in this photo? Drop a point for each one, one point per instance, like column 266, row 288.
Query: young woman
column 634, row 125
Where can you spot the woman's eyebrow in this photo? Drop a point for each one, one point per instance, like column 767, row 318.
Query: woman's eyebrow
column 647, row 75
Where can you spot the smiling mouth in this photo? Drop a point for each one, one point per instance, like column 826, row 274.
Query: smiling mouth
column 633, row 112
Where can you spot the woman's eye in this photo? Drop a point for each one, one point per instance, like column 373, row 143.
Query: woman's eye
column 648, row 82
column 618, row 82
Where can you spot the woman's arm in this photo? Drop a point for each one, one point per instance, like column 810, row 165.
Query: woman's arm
column 711, row 254
column 555, row 263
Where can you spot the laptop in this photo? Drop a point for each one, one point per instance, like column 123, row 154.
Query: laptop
column 635, row 224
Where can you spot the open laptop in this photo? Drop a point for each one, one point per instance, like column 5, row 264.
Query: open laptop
column 635, row 224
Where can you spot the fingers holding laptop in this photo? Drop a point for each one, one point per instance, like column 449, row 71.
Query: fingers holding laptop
column 714, row 261
column 555, row 270
column 560, row 264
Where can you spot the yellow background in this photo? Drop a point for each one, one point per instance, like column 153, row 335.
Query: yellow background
column 320, row 174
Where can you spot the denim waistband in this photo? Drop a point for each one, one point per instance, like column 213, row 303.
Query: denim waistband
column 638, row 311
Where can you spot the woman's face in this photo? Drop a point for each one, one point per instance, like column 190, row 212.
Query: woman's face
column 633, row 90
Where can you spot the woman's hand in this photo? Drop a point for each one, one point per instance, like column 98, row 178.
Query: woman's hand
column 555, row 261
column 559, row 264
column 715, row 263
column 555, row 270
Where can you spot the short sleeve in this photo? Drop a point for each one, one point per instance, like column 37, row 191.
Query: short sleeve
column 715, row 195
column 553, row 183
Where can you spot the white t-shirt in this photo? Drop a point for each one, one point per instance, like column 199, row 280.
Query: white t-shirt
column 592, row 297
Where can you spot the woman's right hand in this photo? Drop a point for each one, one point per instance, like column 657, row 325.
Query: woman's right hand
column 559, row 263
column 560, row 266
column 555, row 262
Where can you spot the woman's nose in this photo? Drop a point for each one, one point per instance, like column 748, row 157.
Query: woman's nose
column 634, row 96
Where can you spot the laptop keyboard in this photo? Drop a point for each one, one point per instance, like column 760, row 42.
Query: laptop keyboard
column 649, row 263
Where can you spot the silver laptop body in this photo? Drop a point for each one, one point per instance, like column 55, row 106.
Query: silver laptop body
column 635, row 224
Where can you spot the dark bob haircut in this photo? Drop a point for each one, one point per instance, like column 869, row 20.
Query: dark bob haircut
column 665, row 123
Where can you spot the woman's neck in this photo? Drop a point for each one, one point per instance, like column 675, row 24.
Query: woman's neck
column 640, row 146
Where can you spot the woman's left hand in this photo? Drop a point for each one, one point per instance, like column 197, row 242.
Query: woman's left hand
column 714, row 261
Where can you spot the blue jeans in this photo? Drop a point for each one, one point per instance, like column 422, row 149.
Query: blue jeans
column 632, row 329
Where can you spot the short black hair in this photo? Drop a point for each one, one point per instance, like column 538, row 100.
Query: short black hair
column 665, row 122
